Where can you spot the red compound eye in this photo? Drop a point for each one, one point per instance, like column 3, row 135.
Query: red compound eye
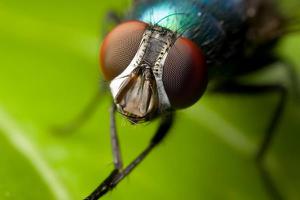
column 119, row 47
column 184, row 73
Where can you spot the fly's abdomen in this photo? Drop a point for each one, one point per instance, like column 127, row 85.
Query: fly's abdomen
column 209, row 23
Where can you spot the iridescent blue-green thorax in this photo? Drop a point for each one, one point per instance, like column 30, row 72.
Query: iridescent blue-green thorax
column 209, row 23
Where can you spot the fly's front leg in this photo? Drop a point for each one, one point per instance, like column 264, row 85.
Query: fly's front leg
column 235, row 87
column 293, row 77
column 118, row 173
column 267, row 140
column 161, row 132
column 115, row 140
column 106, row 185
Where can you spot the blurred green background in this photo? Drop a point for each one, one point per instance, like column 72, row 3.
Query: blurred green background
column 48, row 73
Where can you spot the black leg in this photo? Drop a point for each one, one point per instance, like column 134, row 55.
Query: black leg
column 114, row 140
column 292, row 75
column 234, row 87
column 117, row 175
column 267, row 142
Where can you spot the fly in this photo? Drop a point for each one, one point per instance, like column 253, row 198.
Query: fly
column 162, row 57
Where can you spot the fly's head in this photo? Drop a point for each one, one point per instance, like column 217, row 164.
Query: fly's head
column 151, row 70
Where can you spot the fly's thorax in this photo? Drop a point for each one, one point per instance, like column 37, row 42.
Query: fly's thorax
column 151, row 70
column 139, row 91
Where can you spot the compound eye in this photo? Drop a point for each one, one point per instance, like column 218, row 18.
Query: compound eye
column 119, row 47
column 184, row 73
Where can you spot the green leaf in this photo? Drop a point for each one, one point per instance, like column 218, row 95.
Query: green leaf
column 49, row 72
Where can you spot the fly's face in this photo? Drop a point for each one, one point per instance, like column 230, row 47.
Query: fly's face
column 151, row 70
column 135, row 93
